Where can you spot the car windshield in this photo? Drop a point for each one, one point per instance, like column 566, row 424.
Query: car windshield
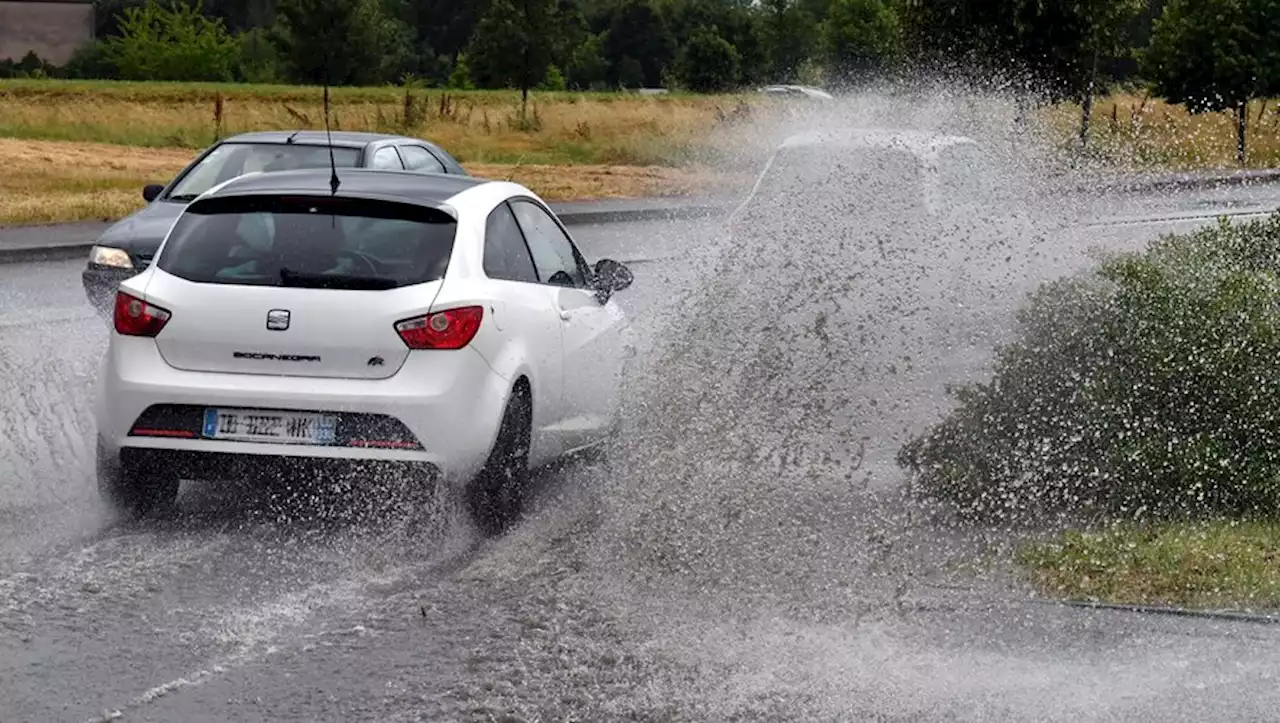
column 318, row 242
column 230, row 160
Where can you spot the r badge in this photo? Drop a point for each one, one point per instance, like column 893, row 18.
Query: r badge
column 278, row 319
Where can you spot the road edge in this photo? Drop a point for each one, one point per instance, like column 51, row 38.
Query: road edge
column 577, row 213
column 1235, row 616
column 604, row 211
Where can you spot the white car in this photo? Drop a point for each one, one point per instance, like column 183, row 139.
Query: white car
column 440, row 323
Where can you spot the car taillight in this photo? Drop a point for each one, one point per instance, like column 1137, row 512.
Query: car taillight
column 452, row 329
column 135, row 317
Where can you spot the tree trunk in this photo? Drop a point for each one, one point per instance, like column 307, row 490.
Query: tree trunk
column 1242, row 121
column 1088, row 101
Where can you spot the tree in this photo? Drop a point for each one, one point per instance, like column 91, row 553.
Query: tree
column 171, row 43
column 708, row 63
column 734, row 20
column 790, row 32
column 460, row 78
column 513, row 44
column 1204, row 55
column 335, row 41
column 1065, row 42
column 860, row 37
column 975, row 37
column 638, row 34
column 588, row 70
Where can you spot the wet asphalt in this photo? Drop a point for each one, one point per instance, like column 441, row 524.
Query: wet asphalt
column 621, row 596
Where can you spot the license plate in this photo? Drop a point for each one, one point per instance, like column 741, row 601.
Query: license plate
column 251, row 425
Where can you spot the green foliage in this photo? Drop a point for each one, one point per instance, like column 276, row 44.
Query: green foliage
column 708, row 63
column 1069, row 47
column 791, row 33
column 587, row 67
column 173, row 43
column 460, row 78
column 1066, row 41
column 554, row 81
column 108, row 14
column 513, row 43
column 1148, row 389
column 90, row 61
column 630, row 73
column 1202, row 54
column 30, row 66
column 638, row 37
column 860, row 38
column 338, row 41
column 259, row 59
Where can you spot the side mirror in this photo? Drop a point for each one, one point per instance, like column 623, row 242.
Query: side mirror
column 152, row 191
column 611, row 276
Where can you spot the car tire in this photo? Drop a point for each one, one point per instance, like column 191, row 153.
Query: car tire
column 134, row 489
column 496, row 496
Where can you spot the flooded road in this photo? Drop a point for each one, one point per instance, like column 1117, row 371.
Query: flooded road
column 245, row 606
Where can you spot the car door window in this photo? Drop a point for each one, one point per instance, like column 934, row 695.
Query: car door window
column 417, row 158
column 506, row 256
column 554, row 255
column 387, row 159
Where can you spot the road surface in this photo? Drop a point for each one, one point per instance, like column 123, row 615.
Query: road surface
column 245, row 606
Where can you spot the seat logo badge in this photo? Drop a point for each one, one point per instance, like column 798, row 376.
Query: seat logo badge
column 278, row 319
column 377, row 361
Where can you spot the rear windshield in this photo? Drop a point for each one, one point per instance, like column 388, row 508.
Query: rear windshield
column 316, row 242
column 230, row 160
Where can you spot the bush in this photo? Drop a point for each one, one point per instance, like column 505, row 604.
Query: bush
column 1147, row 389
column 259, row 59
column 554, row 81
column 708, row 63
column 90, row 61
column 174, row 43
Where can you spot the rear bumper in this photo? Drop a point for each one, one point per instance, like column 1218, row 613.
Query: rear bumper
column 203, row 465
column 451, row 402
column 100, row 285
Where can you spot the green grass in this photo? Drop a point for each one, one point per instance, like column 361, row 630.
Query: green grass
column 1225, row 564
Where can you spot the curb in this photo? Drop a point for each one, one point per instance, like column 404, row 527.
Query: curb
column 1223, row 615
column 83, row 235
column 1181, row 182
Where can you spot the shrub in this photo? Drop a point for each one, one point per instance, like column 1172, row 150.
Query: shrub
column 1149, row 388
column 174, row 43
column 259, row 59
column 90, row 61
column 708, row 63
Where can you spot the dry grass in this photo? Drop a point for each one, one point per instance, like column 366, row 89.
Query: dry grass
column 54, row 181
column 1146, row 133
column 477, row 127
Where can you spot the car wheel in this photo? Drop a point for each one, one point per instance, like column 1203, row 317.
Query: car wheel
column 132, row 488
column 496, row 495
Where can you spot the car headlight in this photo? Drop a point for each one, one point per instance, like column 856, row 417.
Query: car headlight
column 107, row 256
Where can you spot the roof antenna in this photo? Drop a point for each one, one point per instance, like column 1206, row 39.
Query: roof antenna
column 333, row 167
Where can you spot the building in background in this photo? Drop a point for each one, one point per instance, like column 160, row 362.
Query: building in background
column 52, row 29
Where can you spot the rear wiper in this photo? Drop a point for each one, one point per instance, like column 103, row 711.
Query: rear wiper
column 182, row 197
column 334, row 281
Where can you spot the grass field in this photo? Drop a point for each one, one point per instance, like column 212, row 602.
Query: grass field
column 54, row 181
column 1140, row 132
column 476, row 126
column 83, row 149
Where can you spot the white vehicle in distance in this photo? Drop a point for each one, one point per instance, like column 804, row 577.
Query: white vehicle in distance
column 443, row 324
